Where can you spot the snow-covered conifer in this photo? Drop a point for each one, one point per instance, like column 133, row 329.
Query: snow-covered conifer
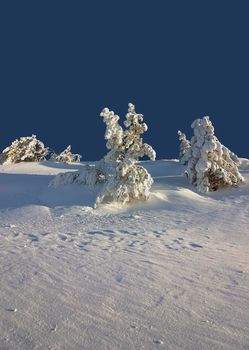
column 183, row 148
column 25, row 149
column 210, row 164
column 66, row 156
column 123, row 180
column 126, row 181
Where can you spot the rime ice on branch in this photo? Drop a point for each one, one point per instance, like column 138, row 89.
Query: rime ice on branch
column 25, row 149
column 210, row 165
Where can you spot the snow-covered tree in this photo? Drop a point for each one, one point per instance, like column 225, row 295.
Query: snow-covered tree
column 123, row 180
column 183, row 148
column 210, row 164
column 25, row 149
column 66, row 156
column 126, row 181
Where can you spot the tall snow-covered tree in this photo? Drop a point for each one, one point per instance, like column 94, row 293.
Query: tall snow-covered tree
column 210, row 164
column 183, row 148
column 25, row 149
column 66, row 156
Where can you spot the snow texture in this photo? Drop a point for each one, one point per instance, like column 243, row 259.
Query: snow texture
column 210, row 165
column 66, row 156
column 170, row 273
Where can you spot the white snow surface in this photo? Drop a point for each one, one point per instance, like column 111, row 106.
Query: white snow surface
column 171, row 273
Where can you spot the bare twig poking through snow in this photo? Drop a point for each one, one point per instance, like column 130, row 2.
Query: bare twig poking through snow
column 210, row 165
column 25, row 149
column 66, row 156
column 184, row 148
column 123, row 180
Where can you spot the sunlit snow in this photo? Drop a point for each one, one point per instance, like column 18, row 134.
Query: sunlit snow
column 171, row 273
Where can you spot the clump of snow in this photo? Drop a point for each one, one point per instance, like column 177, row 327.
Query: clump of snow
column 66, row 156
column 123, row 180
column 210, row 165
column 183, row 148
column 25, row 149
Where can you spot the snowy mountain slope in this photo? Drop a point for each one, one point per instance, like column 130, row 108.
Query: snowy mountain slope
column 171, row 273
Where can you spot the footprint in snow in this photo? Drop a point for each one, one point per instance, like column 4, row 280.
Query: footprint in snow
column 65, row 238
column 159, row 233
column 158, row 341
column 119, row 278
column 109, row 231
column 82, row 246
column 62, row 237
column 11, row 309
column 33, row 238
column 133, row 326
column 131, row 244
column 44, row 234
column 105, row 233
column 176, row 244
column 195, row 245
column 8, row 226
column 53, row 328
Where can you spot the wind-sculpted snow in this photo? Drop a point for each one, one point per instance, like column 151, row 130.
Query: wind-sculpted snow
column 170, row 273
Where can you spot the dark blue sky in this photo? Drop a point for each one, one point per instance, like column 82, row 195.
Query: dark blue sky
column 62, row 62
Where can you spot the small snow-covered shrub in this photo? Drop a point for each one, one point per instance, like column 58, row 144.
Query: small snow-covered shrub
column 25, row 149
column 66, row 156
column 123, row 180
column 210, row 165
column 90, row 176
column 134, row 184
column 183, row 148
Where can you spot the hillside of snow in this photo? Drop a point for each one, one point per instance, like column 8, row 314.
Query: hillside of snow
column 171, row 273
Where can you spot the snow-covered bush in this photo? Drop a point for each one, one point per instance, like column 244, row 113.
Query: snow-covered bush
column 90, row 176
column 123, row 180
column 210, row 165
column 183, row 148
column 25, row 149
column 66, row 156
